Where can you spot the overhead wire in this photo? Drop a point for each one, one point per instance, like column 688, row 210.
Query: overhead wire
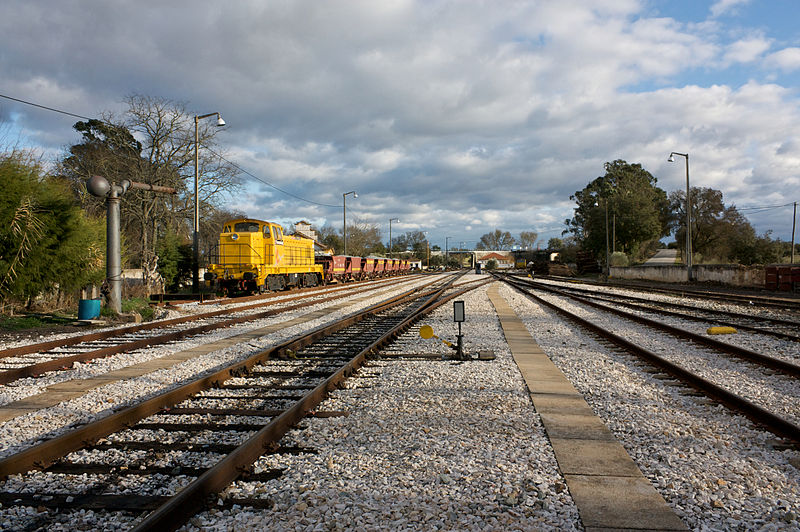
column 235, row 165
column 764, row 208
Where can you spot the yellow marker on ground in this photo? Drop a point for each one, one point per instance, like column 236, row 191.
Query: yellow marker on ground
column 426, row 332
column 721, row 330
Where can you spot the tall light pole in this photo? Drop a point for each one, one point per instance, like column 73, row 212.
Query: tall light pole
column 446, row 251
column 390, row 233
column 196, row 234
column 608, row 264
column 344, row 216
column 794, row 223
column 428, row 250
column 688, row 214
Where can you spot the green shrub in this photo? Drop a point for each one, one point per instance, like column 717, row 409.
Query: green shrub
column 619, row 260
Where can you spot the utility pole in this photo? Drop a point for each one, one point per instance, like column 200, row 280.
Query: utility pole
column 794, row 223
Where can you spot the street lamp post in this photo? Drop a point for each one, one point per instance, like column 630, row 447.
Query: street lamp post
column 196, row 234
column 597, row 204
column 390, row 233
column 794, row 223
column 608, row 264
column 428, row 251
column 344, row 216
column 688, row 214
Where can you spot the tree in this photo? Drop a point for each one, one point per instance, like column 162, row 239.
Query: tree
column 364, row 238
column 415, row 241
column 759, row 250
column 566, row 248
column 719, row 233
column 331, row 238
column 527, row 239
column 165, row 156
column 497, row 240
column 637, row 208
column 46, row 240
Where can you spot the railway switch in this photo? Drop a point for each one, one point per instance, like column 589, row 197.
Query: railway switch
column 459, row 316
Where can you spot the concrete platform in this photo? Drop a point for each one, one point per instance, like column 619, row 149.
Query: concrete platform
column 609, row 489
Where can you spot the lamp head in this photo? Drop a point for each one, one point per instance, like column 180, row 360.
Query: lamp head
column 671, row 159
column 220, row 121
column 355, row 195
column 98, row 186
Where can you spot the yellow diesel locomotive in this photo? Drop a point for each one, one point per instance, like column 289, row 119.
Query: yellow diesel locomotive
column 253, row 255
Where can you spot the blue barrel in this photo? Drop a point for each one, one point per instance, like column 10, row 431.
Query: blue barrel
column 88, row 309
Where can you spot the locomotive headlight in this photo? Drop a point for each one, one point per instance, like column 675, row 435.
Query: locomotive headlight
column 234, row 236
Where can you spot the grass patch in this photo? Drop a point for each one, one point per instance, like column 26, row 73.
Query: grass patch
column 140, row 305
column 136, row 304
column 33, row 321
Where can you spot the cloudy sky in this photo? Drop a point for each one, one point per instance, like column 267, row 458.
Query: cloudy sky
column 457, row 117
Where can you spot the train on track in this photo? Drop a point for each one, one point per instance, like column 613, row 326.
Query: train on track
column 256, row 256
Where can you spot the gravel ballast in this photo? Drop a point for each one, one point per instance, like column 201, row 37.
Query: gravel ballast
column 440, row 445
column 714, row 468
column 428, row 445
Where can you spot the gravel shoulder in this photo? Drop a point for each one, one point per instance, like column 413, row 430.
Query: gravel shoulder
column 714, row 468
column 439, row 445
column 428, row 445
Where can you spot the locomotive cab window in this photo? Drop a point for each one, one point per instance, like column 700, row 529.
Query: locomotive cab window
column 246, row 227
column 277, row 234
column 227, row 229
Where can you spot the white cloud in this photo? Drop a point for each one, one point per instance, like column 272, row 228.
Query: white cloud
column 746, row 50
column 725, row 6
column 787, row 59
column 456, row 117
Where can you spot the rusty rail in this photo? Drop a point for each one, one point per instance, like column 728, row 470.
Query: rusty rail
column 755, row 413
column 10, row 375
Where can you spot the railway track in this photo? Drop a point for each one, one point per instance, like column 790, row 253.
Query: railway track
column 776, row 327
column 791, row 304
column 697, row 368
column 36, row 359
column 153, row 465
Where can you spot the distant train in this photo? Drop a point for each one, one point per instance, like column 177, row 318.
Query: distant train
column 255, row 256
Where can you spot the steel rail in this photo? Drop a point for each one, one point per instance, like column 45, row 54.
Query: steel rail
column 191, row 498
column 66, row 362
column 616, row 297
column 763, row 360
column 45, row 453
column 655, row 307
column 791, row 303
column 356, row 284
column 755, row 413
column 102, row 335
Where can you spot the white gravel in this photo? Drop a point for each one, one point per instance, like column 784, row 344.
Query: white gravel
column 439, row 445
column 21, row 431
column 714, row 468
column 777, row 393
column 429, row 445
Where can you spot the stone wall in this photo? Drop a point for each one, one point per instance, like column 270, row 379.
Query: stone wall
column 728, row 274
